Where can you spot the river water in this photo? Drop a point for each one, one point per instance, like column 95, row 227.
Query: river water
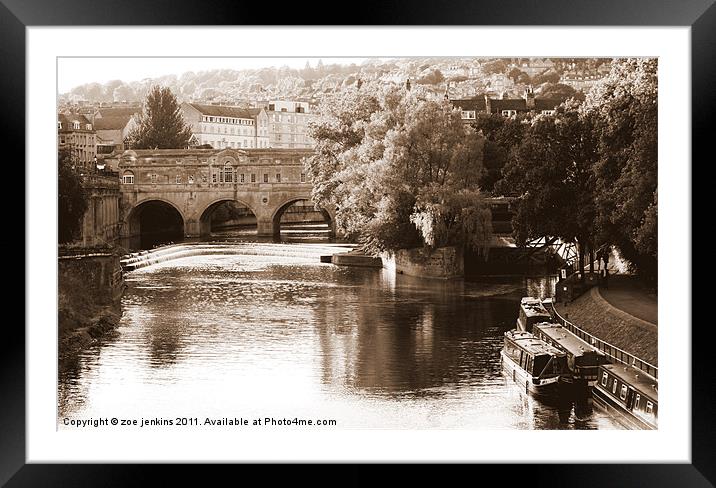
column 275, row 333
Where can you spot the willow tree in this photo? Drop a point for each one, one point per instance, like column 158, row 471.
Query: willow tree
column 401, row 170
column 161, row 125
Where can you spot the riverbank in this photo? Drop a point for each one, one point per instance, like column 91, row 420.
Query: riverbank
column 611, row 320
column 90, row 286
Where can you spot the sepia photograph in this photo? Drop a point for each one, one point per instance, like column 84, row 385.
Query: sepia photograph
column 362, row 243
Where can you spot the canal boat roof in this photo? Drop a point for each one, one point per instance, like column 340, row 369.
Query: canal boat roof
column 531, row 344
column 637, row 378
column 566, row 339
column 533, row 307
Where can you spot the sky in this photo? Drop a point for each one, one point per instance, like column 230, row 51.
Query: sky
column 72, row 72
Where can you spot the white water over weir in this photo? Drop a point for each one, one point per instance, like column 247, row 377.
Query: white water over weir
column 141, row 259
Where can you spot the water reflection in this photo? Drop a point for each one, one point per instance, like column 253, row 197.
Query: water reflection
column 278, row 333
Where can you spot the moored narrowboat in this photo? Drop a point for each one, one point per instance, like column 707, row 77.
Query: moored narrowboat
column 628, row 394
column 583, row 359
column 532, row 311
column 532, row 363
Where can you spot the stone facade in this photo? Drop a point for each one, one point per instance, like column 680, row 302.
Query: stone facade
column 101, row 222
column 442, row 263
column 76, row 133
column 225, row 127
column 195, row 181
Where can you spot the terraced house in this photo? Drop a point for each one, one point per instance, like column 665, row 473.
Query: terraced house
column 223, row 127
column 76, row 133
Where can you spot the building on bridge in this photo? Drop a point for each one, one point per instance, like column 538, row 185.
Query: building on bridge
column 224, row 127
column 181, row 188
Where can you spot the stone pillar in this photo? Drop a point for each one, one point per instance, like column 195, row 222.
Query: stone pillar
column 264, row 227
column 192, row 228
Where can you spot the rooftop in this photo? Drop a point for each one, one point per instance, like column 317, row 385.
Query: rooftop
column 565, row 338
column 226, row 111
column 637, row 378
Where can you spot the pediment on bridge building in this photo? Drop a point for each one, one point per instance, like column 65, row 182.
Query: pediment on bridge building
column 233, row 155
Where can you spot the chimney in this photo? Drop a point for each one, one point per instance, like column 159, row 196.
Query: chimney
column 488, row 105
column 530, row 98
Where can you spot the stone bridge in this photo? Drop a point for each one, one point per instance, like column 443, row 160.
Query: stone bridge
column 189, row 184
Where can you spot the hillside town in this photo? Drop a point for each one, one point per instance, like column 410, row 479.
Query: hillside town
column 273, row 107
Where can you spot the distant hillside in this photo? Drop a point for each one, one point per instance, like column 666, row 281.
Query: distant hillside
column 466, row 77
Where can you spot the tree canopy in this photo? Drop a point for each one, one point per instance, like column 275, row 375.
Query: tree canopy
column 71, row 198
column 161, row 125
column 587, row 173
column 624, row 107
column 401, row 170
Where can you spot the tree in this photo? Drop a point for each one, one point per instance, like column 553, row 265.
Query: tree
column 560, row 91
column 71, row 199
column 549, row 76
column 552, row 171
column 624, row 106
column 500, row 134
column 161, row 126
column 496, row 66
column 400, row 169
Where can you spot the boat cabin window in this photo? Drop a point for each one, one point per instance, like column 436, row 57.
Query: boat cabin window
column 623, row 392
column 649, row 407
column 605, row 375
column 636, row 400
column 539, row 364
column 614, row 386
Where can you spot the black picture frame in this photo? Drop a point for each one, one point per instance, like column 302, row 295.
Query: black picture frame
column 700, row 15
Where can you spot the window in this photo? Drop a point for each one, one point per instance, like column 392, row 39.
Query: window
column 649, row 407
column 278, row 177
column 265, row 177
column 303, row 180
column 153, row 178
column 253, row 177
column 203, row 178
column 614, row 386
column 509, row 113
column 178, row 179
column 88, row 126
column 547, row 112
column 623, row 392
column 636, row 400
column 468, row 114
column 241, row 178
column 59, row 125
column 604, row 378
column 128, row 178
column 75, row 125
column 228, row 173
column 190, row 180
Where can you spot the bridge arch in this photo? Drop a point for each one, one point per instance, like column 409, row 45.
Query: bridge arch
column 155, row 221
column 278, row 213
column 206, row 215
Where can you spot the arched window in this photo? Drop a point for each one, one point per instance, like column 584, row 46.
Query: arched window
column 128, row 178
column 228, row 173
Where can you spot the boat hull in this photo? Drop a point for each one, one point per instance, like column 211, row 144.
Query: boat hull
column 623, row 416
column 544, row 389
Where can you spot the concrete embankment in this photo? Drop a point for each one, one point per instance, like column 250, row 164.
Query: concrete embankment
column 356, row 258
column 90, row 286
column 592, row 313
